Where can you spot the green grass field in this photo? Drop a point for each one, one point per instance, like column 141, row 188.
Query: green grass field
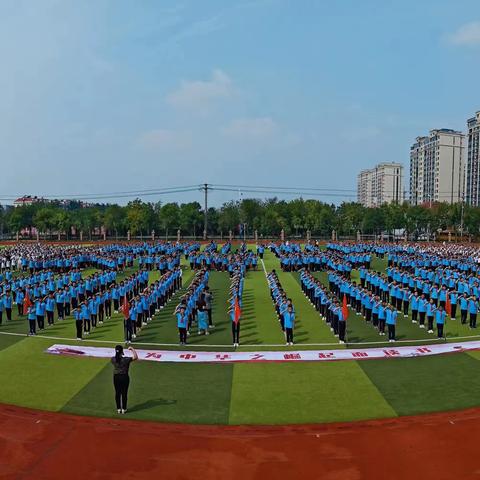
column 270, row 393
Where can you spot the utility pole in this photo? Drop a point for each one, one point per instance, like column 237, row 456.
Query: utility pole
column 205, row 220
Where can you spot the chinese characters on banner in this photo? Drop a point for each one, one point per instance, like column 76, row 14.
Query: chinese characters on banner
column 271, row 356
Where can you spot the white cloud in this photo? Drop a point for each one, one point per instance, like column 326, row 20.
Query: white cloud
column 164, row 139
column 251, row 128
column 200, row 94
column 468, row 34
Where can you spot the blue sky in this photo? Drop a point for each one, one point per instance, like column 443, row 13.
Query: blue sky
column 102, row 96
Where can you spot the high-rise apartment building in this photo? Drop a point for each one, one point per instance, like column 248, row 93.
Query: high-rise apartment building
column 472, row 187
column 380, row 184
column 437, row 167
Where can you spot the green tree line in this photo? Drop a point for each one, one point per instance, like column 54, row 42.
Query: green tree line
column 267, row 217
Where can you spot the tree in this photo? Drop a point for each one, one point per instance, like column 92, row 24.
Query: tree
column 114, row 218
column 44, row 220
column 169, row 217
column 373, row 220
column 20, row 218
column 349, row 217
column 229, row 217
column 62, row 222
column 191, row 217
column 139, row 217
column 250, row 209
column 472, row 220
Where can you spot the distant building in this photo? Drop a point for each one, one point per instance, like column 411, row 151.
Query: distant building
column 437, row 167
column 68, row 203
column 472, row 190
column 26, row 200
column 381, row 184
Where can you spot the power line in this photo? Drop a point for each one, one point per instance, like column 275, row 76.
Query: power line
column 313, row 194
column 111, row 195
column 285, row 188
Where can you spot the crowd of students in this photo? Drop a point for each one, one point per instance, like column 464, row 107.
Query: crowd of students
column 424, row 282
column 224, row 260
column 421, row 281
column 47, row 285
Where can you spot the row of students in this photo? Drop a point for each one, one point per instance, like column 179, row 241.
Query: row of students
column 375, row 309
column 235, row 300
column 283, row 306
column 326, row 303
column 222, row 261
column 141, row 309
column 192, row 309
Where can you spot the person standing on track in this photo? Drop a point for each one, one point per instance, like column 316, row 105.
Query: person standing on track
column 121, row 380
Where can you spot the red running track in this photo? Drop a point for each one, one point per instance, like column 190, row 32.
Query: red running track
column 43, row 445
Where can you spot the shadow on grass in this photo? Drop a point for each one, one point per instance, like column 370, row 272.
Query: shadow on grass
column 152, row 403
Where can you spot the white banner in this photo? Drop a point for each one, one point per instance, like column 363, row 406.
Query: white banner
column 285, row 356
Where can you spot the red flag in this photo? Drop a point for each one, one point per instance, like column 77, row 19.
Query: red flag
column 237, row 312
column 448, row 305
column 26, row 301
column 125, row 307
column 345, row 308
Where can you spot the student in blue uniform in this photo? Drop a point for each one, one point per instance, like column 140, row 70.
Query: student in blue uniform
column 202, row 319
column 60, row 300
column 431, row 307
column 381, row 318
column 20, row 296
column 289, row 323
column 85, row 317
column 422, row 310
column 40, row 313
column 7, row 303
column 463, row 308
column 440, row 315
column 342, row 324
column 182, row 323
column 130, row 322
column 50, row 308
column 32, row 317
column 453, row 305
column 414, row 302
column 473, row 310
column 391, row 320
column 77, row 315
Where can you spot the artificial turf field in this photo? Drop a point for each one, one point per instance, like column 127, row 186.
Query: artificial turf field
column 263, row 393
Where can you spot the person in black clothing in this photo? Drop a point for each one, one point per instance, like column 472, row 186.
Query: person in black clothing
column 121, row 380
